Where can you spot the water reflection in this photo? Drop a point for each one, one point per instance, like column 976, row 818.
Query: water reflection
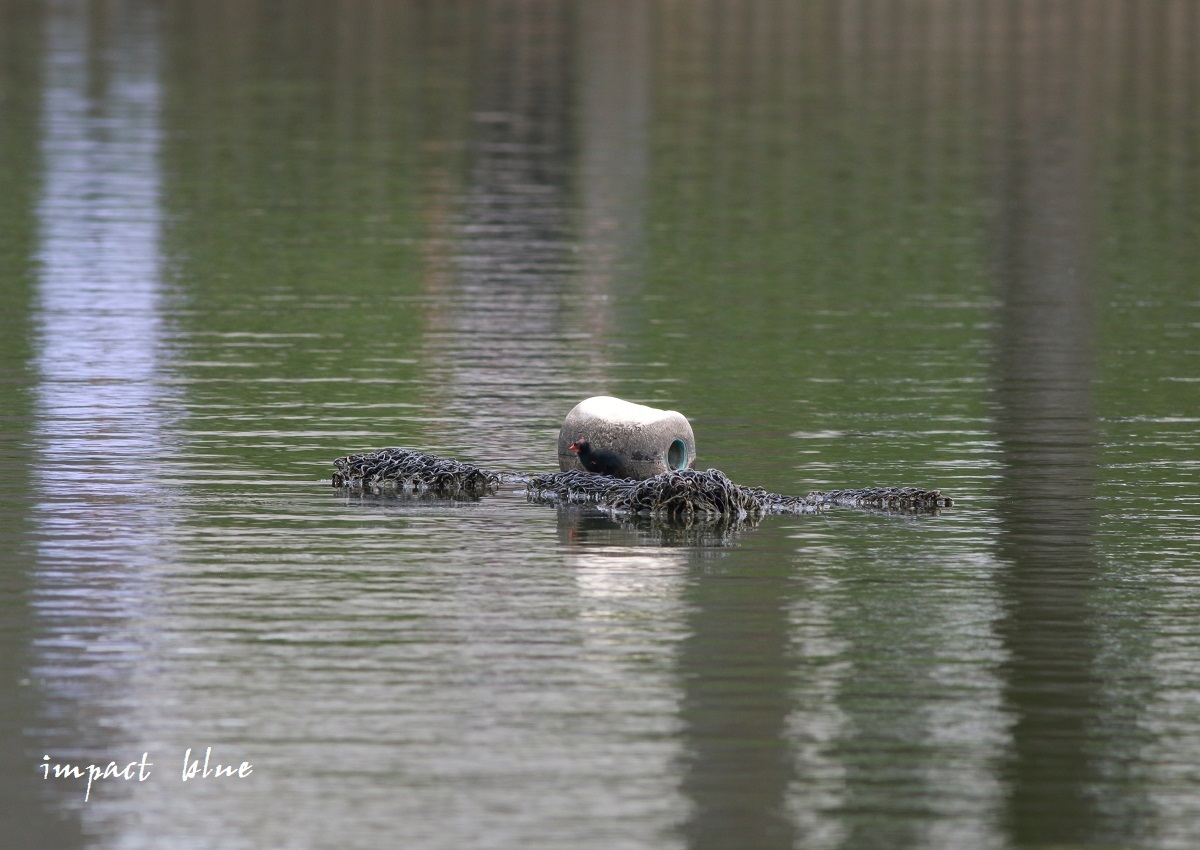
column 100, row 398
column 1045, row 371
column 577, row 524
column 632, row 604
column 775, row 201
column 819, row 720
column 736, row 673
column 497, row 341
column 525, row 272
column 30, row 815
column 613, row 115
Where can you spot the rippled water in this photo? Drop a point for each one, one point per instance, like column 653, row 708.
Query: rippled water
column 858, row 244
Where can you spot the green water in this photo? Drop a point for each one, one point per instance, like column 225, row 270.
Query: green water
column 856, row 244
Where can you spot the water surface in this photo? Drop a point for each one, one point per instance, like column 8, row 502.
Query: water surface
column 856, row 244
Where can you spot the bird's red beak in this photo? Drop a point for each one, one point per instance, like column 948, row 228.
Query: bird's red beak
column 574, row 447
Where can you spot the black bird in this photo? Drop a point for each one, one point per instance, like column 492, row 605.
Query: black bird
column 597, row 460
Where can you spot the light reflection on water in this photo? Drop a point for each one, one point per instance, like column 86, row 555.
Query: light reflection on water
column 1015, row 671
column 102, row 412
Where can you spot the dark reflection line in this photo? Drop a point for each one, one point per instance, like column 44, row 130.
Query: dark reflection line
column 736, row 675
column 1044, row 84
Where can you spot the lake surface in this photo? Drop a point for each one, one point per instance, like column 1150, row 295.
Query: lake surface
column 857, row 244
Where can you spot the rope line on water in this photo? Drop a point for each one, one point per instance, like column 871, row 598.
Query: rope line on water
column 681, row 495
column 405, row 471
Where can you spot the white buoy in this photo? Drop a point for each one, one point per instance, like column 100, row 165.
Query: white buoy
column 646, row 441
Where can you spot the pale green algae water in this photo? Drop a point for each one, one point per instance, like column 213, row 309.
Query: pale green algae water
column 856, row 243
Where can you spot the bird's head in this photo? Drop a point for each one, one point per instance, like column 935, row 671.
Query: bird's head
column 579, row 445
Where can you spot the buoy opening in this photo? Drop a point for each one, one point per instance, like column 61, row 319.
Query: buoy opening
column 677, row 455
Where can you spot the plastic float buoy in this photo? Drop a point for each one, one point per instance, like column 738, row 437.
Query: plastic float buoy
column 625, row 440
column 618, row 440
